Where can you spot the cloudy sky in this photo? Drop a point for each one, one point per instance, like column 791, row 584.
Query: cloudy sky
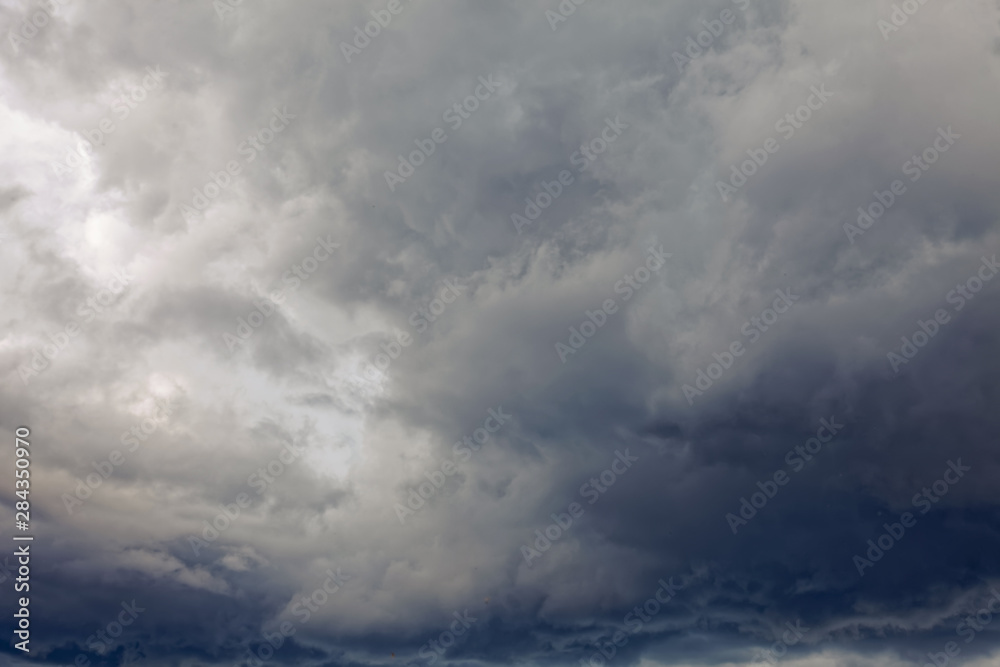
column 380, row 333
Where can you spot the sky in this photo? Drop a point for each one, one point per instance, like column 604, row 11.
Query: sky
column 391, row 333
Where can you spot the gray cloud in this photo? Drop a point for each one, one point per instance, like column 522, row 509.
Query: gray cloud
column 364, row 366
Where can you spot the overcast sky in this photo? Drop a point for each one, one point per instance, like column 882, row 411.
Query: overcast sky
column 390, row 333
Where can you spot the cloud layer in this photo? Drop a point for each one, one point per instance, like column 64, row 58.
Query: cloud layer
column 532, row 332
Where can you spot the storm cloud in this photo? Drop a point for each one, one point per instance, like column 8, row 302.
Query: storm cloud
column 478, row 333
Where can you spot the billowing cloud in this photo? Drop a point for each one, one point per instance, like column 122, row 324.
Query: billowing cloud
column 479, row 333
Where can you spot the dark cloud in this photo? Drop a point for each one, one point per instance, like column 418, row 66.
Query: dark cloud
column 322, row 375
